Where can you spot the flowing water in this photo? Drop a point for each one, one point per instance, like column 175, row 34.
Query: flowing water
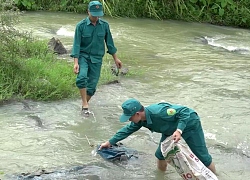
column 202, row 66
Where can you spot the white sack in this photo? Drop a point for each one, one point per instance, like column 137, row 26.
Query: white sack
column 187, row 165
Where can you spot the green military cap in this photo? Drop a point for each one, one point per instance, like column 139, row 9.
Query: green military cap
column 130, row 107
column 95, row 8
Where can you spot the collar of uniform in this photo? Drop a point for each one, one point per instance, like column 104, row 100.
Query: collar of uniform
column 147, row 114
column 89, row 22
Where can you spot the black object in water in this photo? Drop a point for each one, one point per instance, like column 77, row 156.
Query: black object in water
column 117, row 153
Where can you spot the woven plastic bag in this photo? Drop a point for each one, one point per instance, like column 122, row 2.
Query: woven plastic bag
column 187, row 165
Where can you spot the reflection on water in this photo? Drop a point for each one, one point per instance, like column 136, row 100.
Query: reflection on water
column 208, row 77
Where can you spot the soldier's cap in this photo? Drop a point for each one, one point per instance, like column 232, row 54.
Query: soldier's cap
column 95, row 8
column 130, row 107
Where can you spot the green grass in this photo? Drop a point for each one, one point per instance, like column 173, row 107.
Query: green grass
column 42, row 76
column 39, row 79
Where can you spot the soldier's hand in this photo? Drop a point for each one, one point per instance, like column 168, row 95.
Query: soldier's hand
column 105, row 145
column 118, row 63
column 76, row 68
column 176, row 136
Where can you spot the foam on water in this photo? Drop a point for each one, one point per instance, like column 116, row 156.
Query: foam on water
column 232, row 48
column 65, row 32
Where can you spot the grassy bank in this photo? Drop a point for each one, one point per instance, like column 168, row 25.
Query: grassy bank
column 27, row 68
column 43, row 77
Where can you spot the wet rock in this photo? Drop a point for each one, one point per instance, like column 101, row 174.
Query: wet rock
column 240, row 50
column 56, row 46
column 201, row 39
column 38, row 120
column 123, row 71
column 26, row 105
column 77, row 172
column 34, row 174
column 112, row 82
